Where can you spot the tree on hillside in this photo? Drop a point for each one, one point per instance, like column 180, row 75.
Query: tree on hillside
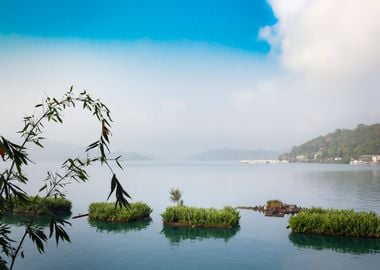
column 15, row 156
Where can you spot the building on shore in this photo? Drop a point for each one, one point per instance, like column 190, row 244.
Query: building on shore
column 367, row 159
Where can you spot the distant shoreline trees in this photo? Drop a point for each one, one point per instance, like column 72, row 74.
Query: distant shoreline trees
column 340, row 146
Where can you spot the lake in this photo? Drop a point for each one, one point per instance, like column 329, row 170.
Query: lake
column 259, row 243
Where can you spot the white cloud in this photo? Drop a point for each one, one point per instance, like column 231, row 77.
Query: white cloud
column 324, row 37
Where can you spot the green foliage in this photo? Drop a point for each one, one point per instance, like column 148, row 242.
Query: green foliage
column 107, row 212
column 342, row 143
column 201, row 217
column 274, row 204
column 13, row 178
column 336, row 222
column 40, row 206
column 176, row 195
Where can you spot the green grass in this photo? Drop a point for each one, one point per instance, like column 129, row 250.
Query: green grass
column 106, row 212
column 39, row 205
column 274, row 204
column 336, row 222
column 227, row 217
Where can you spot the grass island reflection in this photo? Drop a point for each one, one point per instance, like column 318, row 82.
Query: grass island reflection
column 356, row 246
column 177, row 234
column 119, row 227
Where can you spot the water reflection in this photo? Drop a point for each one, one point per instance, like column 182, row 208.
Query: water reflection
column 119, row 227
column 42, row 220
column 177, row 234
column 357, row 246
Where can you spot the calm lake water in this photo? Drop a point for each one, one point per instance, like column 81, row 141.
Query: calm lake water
column 259, row 243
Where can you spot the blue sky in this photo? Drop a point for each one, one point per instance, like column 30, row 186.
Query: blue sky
column 182, row 77
column 232, row 23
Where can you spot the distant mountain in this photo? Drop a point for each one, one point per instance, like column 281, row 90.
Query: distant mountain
column 234, row 154
column 340, row 145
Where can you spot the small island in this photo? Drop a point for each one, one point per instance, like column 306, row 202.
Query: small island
column 104, row 211
column 336, row 223
column 186, row 216
column 36, row 205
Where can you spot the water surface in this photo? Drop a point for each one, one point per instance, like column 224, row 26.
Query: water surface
column 259, row 243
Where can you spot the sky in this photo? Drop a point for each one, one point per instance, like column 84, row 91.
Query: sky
column 181, row 77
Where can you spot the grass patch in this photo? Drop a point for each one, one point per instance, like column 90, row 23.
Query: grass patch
column 41, row 205
column 274, row 204
column 106, row 212
column 336, row 222
column 181, row 215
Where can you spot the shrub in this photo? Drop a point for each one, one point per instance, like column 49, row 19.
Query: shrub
column 336, row 222
column 227, row 217
column 107, row 212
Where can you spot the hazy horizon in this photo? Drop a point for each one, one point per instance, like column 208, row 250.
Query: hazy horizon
column 263, row 75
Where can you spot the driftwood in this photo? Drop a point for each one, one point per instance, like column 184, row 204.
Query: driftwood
column 79, row 216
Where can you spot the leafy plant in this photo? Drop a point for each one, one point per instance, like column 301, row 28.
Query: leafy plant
column 73, row 169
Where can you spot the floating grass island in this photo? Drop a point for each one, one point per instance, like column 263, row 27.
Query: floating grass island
column 41, row 206
column 186, row 216
column 336, row 222
column 104, row 211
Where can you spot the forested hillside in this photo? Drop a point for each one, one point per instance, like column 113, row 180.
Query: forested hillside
column 340, row 145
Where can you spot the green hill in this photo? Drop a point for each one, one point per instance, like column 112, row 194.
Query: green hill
column 339, row 146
